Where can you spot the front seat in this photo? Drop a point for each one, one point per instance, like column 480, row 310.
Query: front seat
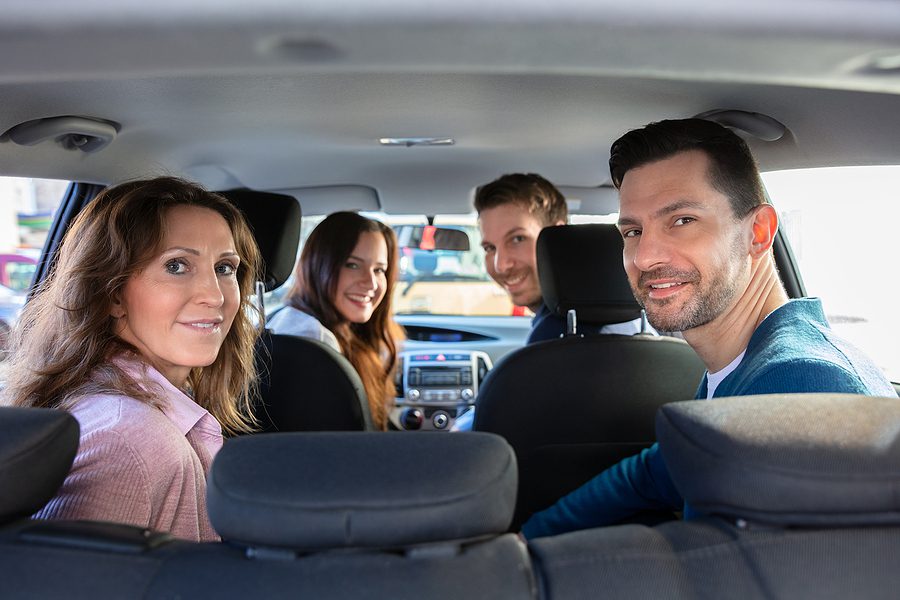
column 304, row 385
column 574, row 406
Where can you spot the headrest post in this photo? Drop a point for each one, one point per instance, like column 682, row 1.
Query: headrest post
column 260, row 300
column 571, row 322
column 644, row 323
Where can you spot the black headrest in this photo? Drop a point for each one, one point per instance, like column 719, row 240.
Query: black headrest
column 316, row 491
column 37, row 447
column 800, row 460
column 275, row 221
column 580, row 267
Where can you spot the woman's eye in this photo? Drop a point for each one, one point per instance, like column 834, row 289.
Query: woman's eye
column 176, row 267
column 226, row 269
column 351, row 265
column 380, row 270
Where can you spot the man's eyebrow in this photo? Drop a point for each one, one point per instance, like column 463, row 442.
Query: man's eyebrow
column 678, row 205
column 665, row 210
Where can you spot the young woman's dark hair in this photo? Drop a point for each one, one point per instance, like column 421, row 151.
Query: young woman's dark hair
column 733, row 170
column 371, row 347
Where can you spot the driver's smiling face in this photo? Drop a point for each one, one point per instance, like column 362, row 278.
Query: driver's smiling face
column 509, row 235
column 685, row 252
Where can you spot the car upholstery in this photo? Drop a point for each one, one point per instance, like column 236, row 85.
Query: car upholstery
column 574, row 406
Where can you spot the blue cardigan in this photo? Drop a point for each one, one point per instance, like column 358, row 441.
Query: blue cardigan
column 793, row 350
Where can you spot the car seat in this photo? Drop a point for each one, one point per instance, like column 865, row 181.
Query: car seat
column 311, row 515
column 797, row 496
column 304, row 385
column 574, row 406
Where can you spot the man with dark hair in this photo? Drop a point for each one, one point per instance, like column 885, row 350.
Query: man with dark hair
column 512, row 211
column 698, row 252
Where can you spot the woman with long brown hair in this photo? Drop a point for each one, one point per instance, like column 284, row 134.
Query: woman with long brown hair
column 143, row 332
column 342, row 296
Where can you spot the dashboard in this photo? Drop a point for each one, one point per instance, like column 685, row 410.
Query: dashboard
column 435, row 388
column 444, row 362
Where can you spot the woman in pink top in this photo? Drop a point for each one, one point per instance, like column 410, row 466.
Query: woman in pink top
column 143, row 331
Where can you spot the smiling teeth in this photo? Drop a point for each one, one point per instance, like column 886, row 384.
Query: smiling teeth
column 663, row 286
column 204, row 325
column 356, row 298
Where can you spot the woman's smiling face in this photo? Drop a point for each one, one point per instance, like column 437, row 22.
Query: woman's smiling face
column 362, row 281
column 178, row 309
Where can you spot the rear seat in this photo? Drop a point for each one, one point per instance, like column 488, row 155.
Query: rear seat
column 801, row 497
column 315, row 515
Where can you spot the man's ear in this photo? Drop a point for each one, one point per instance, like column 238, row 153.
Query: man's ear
column 764, row 226
column 560, row 222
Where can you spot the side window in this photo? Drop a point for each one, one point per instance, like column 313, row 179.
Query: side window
column 842, row 226
column 27, row 208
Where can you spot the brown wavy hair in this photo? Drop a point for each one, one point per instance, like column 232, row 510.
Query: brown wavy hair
column 64, row 344
column 371, row 347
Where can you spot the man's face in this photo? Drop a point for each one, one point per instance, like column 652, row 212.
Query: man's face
column 686, row 255
column 509, row 234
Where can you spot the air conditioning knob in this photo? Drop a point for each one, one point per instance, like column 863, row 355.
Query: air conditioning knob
column 467, row 394
column 411, row 418
column 413, row 394
column 440, row 420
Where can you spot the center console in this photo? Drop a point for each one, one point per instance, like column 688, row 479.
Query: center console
column 434, row 388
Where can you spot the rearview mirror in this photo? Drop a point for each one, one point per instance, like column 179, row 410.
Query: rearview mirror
column 429, row 237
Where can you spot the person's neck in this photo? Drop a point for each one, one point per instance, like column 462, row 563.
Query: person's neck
column 720, row 341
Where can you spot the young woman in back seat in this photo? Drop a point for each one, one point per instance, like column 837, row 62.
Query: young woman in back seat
column 342, row 296
column 142, row 331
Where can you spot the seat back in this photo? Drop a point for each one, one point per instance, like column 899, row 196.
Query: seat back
column 573, row 406
column 798, row 496
column 304, row 386
column 37, row 447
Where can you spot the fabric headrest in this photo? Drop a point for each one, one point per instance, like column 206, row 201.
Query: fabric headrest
column 275, row 222
column 316, row 491
column 580, row 267
column 792, row 460
column 37, row 447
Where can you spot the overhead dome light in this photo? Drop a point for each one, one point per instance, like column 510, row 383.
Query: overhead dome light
column 417, row 141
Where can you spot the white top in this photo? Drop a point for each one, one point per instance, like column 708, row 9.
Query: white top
column 714, row 379
column 291, row 321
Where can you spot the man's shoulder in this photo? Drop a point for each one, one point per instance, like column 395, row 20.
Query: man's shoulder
column 545, row 326
column 800, row 354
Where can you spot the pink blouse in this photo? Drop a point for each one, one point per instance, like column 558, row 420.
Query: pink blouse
column 141, row 466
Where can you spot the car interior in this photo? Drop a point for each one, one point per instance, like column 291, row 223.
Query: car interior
column 401, row 110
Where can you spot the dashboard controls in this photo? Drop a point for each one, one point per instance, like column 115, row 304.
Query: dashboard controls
column 440, row 419
column 411, row 419
column 439, row 385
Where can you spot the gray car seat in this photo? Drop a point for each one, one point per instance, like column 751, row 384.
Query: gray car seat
column 308, row 515
column 800, row 500
column 304, row 385
column 574, row 406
